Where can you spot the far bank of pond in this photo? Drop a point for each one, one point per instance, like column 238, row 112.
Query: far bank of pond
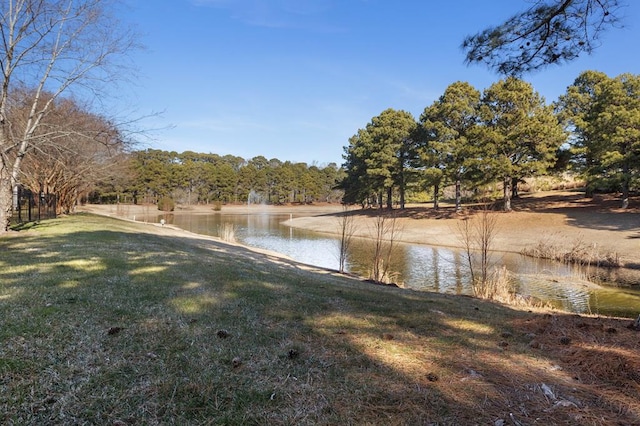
column 423, row 267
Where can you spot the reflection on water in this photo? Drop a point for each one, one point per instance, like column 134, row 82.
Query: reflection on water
column 429, row 268
column 436, row 269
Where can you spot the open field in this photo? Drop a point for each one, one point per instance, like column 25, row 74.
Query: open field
column 104, row 321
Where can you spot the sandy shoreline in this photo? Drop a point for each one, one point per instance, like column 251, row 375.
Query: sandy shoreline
column 564, row 220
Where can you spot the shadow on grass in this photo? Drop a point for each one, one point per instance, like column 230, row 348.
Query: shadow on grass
column 124, row 325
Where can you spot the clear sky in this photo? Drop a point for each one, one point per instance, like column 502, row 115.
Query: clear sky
column 294, row 79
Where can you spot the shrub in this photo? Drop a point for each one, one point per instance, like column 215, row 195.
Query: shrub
column 166, row 204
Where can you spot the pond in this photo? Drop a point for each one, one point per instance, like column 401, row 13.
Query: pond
column 422, row 267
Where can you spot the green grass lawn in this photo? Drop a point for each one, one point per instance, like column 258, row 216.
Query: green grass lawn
column 111, row 322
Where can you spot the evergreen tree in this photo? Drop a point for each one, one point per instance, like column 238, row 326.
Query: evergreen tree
column 379, row 157
column 519, row 136
column 447, row 125
column 604, row 115
column 548, row 32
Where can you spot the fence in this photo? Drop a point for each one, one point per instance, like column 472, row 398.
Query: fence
column 30, row 207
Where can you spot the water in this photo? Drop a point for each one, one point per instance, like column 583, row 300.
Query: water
column 427, row 268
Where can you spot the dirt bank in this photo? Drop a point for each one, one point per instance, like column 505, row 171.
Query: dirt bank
column 560, row 219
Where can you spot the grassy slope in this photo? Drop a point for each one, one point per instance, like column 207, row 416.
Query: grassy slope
column 105, row 322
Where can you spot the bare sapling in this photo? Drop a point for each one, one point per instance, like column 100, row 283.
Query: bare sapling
column 465, row 233
column 347, row 228
column 477, row 234
column 385, row 231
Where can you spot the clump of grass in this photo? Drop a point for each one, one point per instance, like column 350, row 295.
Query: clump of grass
column 227, row 232
column 497, row 286
column 500, row 286
column 579, row 253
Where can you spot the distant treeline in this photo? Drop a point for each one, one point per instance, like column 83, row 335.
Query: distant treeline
column 195, row 178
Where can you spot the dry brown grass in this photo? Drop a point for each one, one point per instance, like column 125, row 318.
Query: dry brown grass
column 227, row 232
column 591, row 352
column 108, row 322
column 576, row 253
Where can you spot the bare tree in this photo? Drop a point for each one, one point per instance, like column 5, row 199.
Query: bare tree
column 384, row 232
column 347, row 228
column 549, row 32
column 81, row 148
column 54, row 47
column 477, row 234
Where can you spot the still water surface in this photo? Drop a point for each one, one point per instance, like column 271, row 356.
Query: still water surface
column 423, row 267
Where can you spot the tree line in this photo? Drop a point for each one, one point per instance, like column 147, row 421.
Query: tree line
column 78, row 149
column 196, row 178
column 508, row 132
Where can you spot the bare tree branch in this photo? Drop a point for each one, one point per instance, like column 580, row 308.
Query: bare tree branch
column 549, row 32
column 50, row 49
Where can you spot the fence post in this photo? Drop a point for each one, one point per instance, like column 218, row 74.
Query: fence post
column 30, row 204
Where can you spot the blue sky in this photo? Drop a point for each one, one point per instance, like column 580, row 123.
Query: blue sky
column 294, row 79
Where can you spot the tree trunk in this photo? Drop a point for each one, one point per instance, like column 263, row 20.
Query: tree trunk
column 636, row 324
column 390, row 198
column 507, row 193
column 436, row 192
column 6, row 200
column 625, row 186
column 514, row 188
column 625, row 197
column 402, row 186
column 458, row 195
